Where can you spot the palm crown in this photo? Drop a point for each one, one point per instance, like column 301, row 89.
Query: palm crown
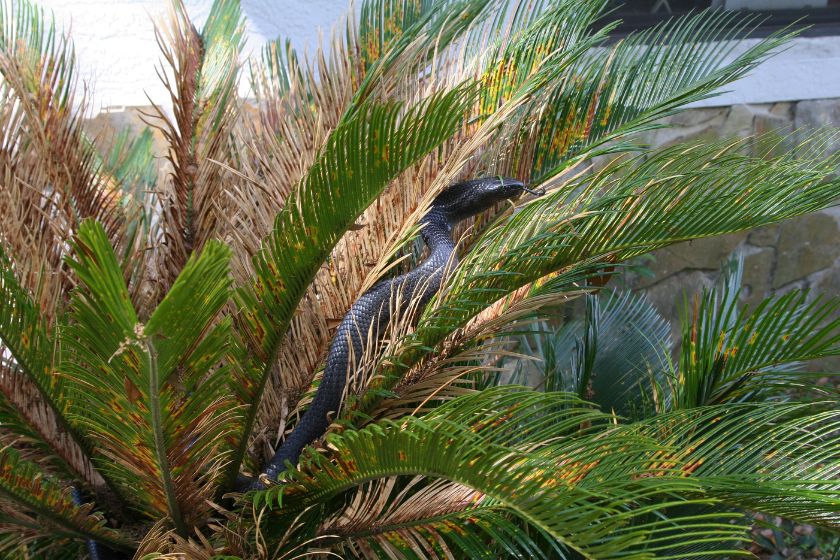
column 161, row 335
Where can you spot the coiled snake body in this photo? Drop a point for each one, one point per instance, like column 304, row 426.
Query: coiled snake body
column 454, row 204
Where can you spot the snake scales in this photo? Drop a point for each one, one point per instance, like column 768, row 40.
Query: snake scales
column 453, row 205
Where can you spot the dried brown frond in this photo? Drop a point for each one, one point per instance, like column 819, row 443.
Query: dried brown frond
column 365, row 253
column 206, row 111
column 298, row 104
column 378, row 508
column 197, row 548
column 163, row 543
column 52, row 177
column 20, row 530
column 21, row 394
column 52, row 130
column 156, row 541
column 377, row 505
column 441, row 375
column 195, row 483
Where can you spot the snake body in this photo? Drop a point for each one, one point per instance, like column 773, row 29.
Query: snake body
column 96, row 551
column 453, row 205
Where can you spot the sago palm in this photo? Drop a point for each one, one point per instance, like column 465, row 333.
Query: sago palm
column 162, row 334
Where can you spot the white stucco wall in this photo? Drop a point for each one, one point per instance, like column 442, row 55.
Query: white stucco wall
column 809, row 68
column 117, row 51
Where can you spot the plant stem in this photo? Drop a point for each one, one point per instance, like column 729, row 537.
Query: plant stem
column 160, row 447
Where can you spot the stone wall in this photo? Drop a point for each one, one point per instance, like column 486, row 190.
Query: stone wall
column 801, row 253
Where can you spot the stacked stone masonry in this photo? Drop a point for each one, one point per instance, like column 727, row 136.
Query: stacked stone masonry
column 802, row 253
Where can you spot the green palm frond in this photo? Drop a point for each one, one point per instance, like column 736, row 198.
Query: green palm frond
column 152, row 396
column 506, row 18
column 34, row 395
column 21, row 536
column 383, row 23
column 576, row 506
column 397, row 38
column 23, row 332
column 776, row 458
column 761, row 449
column 23, row 483
column 616, row 92
column 512, row 71
column 387, row 519
column 557, row 37
column 500, row 93
column 508, row 76
column 771, row 457
column 358, row 161
column 732, row 355
column 622, row 343
column 222, row 37
column 443, row 449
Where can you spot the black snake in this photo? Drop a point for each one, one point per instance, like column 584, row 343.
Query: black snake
column 453, row 205
column 96, row 551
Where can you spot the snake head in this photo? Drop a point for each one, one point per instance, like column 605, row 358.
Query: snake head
column 462, row 200
column 501, row 188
